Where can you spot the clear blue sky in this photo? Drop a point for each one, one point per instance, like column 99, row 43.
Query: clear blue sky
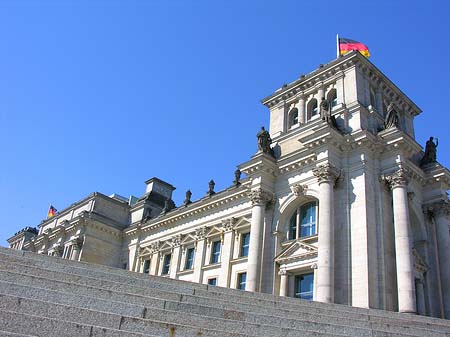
column 102, row 95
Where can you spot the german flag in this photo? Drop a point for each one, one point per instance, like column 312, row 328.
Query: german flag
column 346, row 45
column 51, row 212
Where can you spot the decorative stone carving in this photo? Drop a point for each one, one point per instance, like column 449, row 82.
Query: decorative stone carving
column 237, row 178
column 391, row 117
column 430, row 152
column 147, row 215
column 299, row 190
column 168, row 206
column 77, row 243
column 264, row 141
column 419, row 264
column 314, row 266
column 228, row 224
column 176, row 241
column 326, row 173
column 187, row 199
column 260, row 197
column 398, row 178
column 200, row 233
column 282, row 272
column 155, row 246
column 439, row 208
column 211, row 185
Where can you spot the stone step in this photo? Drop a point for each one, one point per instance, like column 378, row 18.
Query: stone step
column 22, row 324
column 347, row 320
column 233, row 324
column 186, row 287
column 12, row 334
column 213, row 292
column 153, row 325
column 321, row 325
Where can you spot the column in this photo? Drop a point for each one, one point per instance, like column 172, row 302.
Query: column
column 175, row 259
column 199, row 254
column 77, row 244
column 420, row 297
column 326, row 175
column 226, row 252
column 284, row 283
column 398, row 182
column 301, row 110
column 154, row 248
column 440, row 212
column 259, row 199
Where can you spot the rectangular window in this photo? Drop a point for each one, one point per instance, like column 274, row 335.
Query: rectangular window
column 166, row 264
column 245, row 244
column 146, row 266
column 215, row 252
column 308, row 219
column 304, row 286
column 212, row 281
column 189, row 264
column 241, row 281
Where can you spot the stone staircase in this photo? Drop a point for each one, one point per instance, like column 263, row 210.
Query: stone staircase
column 48, row 296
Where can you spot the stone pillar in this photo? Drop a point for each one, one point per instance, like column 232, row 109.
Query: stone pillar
column 78, row 243
column 421, row 309
column 259, row 199
column 175, row 258
column 226, row 253
column 199, row 254
column 301, row 110
column 326, row 175
column 398, row 182
column 321, row 93
column 154, row 248
column 440, row 211
column 284, row 282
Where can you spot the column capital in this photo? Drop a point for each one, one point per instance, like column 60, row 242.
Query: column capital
column 228, row 224
column 259, row 197
column 77, row 243
column 200, row 233
column 282, row 272
column 397, row 178
column 176, row 241
column 437, row 209
column 326, row 173
column 154, row 247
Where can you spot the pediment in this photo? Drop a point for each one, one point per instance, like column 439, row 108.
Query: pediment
column 296, row 251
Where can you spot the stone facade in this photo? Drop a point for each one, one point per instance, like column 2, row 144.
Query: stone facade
column 343, row 213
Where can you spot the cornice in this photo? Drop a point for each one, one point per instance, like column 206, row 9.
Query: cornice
column 218, row 200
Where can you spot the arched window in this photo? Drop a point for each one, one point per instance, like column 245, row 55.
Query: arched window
column 304, row 221
column 293, row 117
column 332, row 98
column 312, row 108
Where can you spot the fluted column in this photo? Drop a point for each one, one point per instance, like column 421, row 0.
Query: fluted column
column 175, row 259
column 421, row 310
column 154, row 248
column 284, row 283
column 227, row 249
column 440, row 211
column 259, row 199
column 199, row 254
column 78, row 243
column 398, row 182
column 326, row 175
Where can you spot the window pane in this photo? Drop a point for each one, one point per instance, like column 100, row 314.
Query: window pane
column 212, row 281
column 245, row 243
column 215, row 253
column 304, row 286
column 189, row 258
column 242, row 279
column 308, row 219
column 166, row 264
column 146, row 266
column 293, row 227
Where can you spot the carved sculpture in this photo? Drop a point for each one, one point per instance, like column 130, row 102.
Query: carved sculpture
column 391, row 117
column 168, row 206
column 430, row 152
column 237, row 177
column 187, row 199
column 147, row 214
column 264, row 141
column 211, row 185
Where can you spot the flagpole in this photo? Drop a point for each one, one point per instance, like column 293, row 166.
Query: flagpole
column 337, row 46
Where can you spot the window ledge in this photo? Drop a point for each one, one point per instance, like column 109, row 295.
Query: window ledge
column 239, row 260
column 186, row 272
column 211, row 266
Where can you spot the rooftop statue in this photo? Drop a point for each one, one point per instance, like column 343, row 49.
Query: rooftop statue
column 430, row 152
column 264, row 141
column 391, row 117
